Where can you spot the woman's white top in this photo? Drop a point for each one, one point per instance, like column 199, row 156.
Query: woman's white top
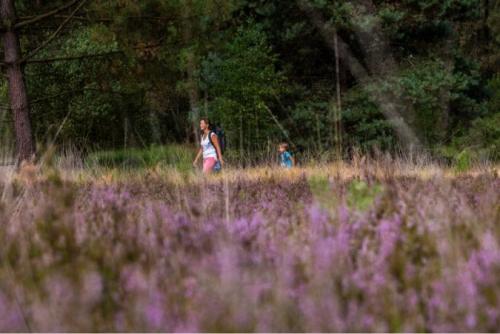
column 208, row 149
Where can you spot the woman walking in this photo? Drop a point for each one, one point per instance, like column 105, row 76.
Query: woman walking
column 210, row 148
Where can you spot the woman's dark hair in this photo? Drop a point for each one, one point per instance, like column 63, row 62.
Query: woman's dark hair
column 207, row 121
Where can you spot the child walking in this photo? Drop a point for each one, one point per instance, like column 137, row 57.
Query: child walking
column 286, row 158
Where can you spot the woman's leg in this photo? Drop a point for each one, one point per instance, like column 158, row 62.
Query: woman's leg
column 208, row 165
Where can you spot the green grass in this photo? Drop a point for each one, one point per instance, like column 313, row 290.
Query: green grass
column 179, row 156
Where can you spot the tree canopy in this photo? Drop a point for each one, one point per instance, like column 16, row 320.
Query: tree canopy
column 112, row 74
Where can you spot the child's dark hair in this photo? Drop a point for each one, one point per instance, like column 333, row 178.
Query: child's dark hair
column 284, row 145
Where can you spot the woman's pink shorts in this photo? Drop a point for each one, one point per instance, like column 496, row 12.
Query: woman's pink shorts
column 208, row 164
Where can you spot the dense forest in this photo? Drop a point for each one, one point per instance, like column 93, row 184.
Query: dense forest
column 323, row 75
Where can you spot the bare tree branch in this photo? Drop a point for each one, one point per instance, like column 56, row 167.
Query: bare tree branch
column 76, row 91
column 96, row 55
column 69, row 58
column 44, row 16
column 80, row 18
column 54, row 35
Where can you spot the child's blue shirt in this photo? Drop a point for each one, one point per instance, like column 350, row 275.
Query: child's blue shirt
column 286, row 159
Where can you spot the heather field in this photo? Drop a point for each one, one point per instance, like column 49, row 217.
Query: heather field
column 365, row 246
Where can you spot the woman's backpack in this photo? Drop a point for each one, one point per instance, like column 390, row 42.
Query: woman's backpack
column 220, row 135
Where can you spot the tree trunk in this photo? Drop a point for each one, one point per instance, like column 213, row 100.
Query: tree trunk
column 485, row 27
column 194, row 98
column 242, row 147
column 338, row 114
column 18, row 97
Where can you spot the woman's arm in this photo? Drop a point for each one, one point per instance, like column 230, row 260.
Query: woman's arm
column 215, row 141
column 200, row 151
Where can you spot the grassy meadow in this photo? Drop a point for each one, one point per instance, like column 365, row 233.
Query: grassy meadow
column 363, row 245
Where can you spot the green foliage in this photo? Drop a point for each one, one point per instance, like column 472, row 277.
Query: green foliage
column 484, row 137
column 463, row 161
column 243, row 80
column 313, row 117
column 322, row 190
column 494, row 88
column 425, row 94
column 254, row 64
column 361, row 195
column 177, row 156
column 364, row 124
column 81, row 101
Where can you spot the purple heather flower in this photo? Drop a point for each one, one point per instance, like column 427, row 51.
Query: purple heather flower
column 134, row 280
column 92, row 287
column 11, row 319
column 155, row 313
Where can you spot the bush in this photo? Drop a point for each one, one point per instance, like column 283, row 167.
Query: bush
column 483, row 137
